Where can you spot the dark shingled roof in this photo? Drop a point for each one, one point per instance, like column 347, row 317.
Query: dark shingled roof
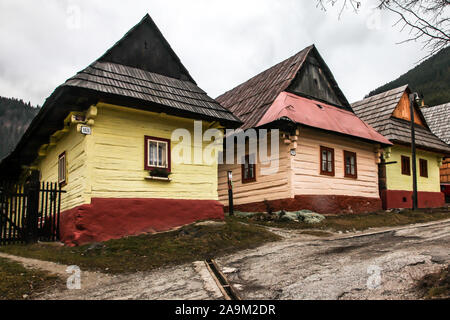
column 438, row 119
column 147, row 86
column 377, row 111
column 251, row 99
column 140, row 71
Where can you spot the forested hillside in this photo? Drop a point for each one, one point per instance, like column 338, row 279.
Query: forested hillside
column 15, row 116
column 431, row 78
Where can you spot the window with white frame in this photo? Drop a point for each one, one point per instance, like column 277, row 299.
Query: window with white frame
column 157, row 153
column 327, row 161
column 248, row 168
column 62, row 169
column 350, row 165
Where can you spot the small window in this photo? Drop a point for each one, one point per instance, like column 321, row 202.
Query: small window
column 326, row 161
column 62, row 169
column 157, row 153
column 423, row 168
column 249, row 169
column 350, row 168
column 406, row 166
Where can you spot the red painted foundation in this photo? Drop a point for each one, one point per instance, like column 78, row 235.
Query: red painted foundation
column 403, row 199
column 325, row 204
column 112, row 218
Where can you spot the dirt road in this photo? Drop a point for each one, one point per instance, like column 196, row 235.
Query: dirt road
column 374, row 266
column 359, row 266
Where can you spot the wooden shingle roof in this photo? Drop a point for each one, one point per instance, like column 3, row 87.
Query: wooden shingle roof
column 438, row 119
column 378, row 110
column 294, row 90
column 140, row 71
column 250, row 100
column 144, row 47
column 174, row 94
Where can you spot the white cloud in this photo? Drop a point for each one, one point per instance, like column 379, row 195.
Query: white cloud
column 222, row 43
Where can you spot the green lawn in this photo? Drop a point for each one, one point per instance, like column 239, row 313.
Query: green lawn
column 147, row 252
column 357, row 221
column 17, row 282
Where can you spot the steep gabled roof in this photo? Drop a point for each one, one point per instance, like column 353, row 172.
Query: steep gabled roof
column 316, row 114
column 143, row 66
column 301, row 90
column 378, row 111
column 438, row 119
column 250, row 100
column 179, row 96
column 139, row 71
column 145, row 48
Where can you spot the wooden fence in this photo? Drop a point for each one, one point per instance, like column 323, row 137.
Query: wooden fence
column 29, row 212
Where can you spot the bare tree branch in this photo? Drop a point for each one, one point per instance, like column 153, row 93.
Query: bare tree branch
column 322, row 4
column 424, row 20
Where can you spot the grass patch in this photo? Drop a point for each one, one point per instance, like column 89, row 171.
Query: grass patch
column 354, row 222
column 147, row 252
column 17, row 282
column 436, row 285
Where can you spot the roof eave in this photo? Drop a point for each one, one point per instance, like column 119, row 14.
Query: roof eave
column 287, row 122
column 135, row 103
column 422, row 147
column 11, row 164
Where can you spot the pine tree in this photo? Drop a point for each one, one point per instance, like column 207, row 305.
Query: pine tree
column 15, row 117
column 430, row 78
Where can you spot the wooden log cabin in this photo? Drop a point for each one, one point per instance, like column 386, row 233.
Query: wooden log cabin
column 438, row 119
column 328, row 157
column 389, row 113
column 101, row 133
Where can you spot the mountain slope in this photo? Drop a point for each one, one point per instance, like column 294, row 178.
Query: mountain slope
column 431, row 78
column 15, row 116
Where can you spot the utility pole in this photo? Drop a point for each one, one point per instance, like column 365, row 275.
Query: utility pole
column 412, row 99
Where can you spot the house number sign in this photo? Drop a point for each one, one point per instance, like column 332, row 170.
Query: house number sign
column 86, row 130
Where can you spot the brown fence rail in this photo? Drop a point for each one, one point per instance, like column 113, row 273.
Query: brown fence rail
column 29, row 212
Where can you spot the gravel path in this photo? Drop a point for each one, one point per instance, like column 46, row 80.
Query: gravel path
column 187, row 282
column 299, row 267
column 342, row 267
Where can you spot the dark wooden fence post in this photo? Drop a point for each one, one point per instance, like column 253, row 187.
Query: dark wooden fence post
column 32, row 193
column 230, row 193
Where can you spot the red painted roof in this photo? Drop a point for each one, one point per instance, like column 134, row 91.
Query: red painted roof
column 319, row 115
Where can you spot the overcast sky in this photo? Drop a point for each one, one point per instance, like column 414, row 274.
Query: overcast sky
column 221, row 43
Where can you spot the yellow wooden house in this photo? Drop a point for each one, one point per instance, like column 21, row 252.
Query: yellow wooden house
column 389, row 113
column 438, row 119
column 105, row 136
column 327, row 160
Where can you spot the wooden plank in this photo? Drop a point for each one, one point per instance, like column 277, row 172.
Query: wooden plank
column 403, row 111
